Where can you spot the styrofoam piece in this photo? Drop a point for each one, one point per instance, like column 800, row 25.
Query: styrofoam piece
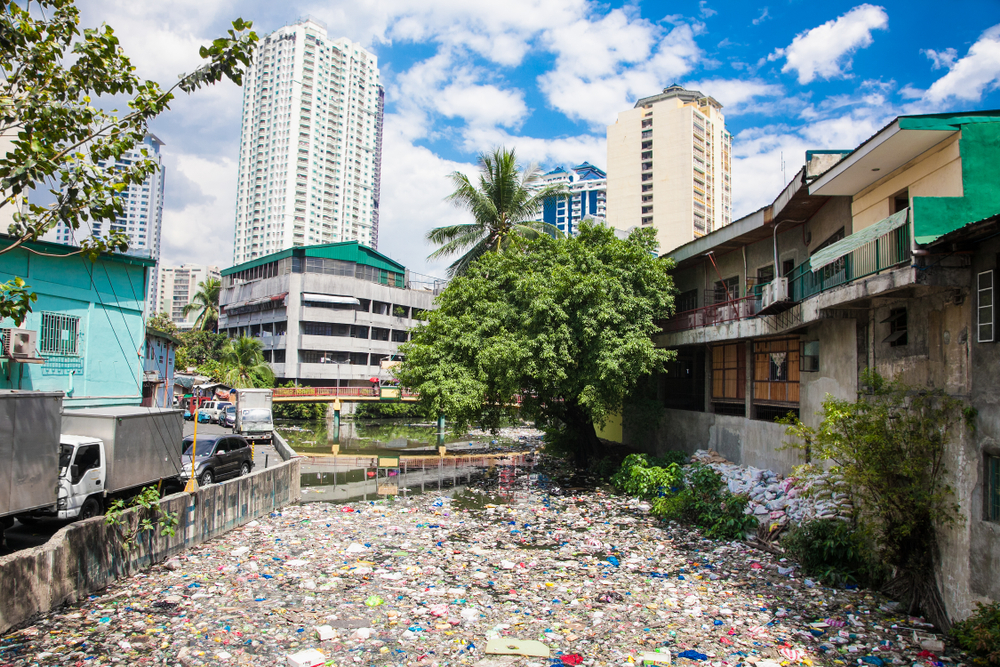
column 308, row 658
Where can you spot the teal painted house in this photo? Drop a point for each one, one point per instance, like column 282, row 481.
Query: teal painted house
column 89, row 333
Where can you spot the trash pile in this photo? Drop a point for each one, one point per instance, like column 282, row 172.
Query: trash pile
column 551, row 574
column 778, row 500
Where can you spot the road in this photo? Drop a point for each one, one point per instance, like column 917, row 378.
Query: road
column 22, row 536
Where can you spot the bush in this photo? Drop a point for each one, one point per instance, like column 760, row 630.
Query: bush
column 637, row 478
column 834, row 551
column 980, row 633
column 378, row 410
column 680, row 458
column 604, row 467
column 712, row 507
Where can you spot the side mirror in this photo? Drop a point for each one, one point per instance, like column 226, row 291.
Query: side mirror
column 74, row 472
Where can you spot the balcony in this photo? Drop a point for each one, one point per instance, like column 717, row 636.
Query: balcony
column 718, row 313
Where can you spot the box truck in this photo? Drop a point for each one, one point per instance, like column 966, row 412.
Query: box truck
column 253, row 414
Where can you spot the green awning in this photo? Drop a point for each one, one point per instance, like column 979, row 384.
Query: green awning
column 845, row 246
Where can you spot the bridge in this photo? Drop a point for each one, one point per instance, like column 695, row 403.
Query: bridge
column 342, row 394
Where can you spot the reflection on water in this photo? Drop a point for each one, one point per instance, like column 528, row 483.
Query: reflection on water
column 372, row 437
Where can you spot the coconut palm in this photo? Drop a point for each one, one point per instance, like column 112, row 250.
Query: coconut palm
column 503, row 208
column 206, row 300
column 243, row 364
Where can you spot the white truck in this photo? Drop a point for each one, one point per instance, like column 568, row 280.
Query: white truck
column 253, row 414
column 70, row 464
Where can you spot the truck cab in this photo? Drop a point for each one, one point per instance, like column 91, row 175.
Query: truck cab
column 82, row 477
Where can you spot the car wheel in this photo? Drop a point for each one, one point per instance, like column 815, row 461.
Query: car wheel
column 91, row 508
column 206, row 478
column 245, row 470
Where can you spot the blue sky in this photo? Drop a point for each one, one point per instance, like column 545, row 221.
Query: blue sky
column 547, row 76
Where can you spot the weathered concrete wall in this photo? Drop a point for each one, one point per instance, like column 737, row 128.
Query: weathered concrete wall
column 745, row 441
column 837, row 375
column 87, row 556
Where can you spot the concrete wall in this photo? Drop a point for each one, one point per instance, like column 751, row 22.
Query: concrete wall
column 86, row 556
column 745, row 441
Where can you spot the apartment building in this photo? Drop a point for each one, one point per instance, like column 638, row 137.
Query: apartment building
column 178, row 285
column 310, row 149
column 670, row 167
column 586, row 187
column 142, row 219
column 881, row 257
column 327, row 314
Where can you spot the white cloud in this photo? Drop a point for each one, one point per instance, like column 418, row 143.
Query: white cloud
column 977, row 72
column 737, row 95
column 825, row 51
column 603, row 66
column 764, row 15
column 561, row 150
column 941, row 59
column 199, row 229
column 705, row 11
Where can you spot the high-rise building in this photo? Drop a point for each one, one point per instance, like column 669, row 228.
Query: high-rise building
column 670, row 167
column 141, row 220
column 587, row 187
column 310, row 150
column 178, row 285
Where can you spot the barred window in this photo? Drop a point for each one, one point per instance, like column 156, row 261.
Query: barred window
column 59, row 334
column 985, row 306
column 992, row 488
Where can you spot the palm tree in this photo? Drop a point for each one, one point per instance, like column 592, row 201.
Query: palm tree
column 243, row 364
column 206, row 300
column 503, row 207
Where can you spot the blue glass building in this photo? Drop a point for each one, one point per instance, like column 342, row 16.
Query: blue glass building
column 587, row 186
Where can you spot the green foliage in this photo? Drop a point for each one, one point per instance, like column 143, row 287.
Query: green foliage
column 162, row 322
column 243, row 364
column 299, row 411
column 200, row 347
column 55, row 78
column 378, row 410
column 672, row 456
column 980, row 633
column 711, row 506
column 637, row 478
column 143, row 514
column 604, row 467
column 670, row 507
column 503, row 207
column 835, row 551
column 563, row 325
column 206, row 303
column 889, row 446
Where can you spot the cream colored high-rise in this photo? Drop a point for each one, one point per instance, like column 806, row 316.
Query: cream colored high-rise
column 670, row 167
column 311, row 146
column 178, row 285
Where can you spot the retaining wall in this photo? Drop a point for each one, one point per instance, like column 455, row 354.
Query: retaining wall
column 87, row 556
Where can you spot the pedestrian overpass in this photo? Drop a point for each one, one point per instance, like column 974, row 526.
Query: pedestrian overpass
column 341, row 394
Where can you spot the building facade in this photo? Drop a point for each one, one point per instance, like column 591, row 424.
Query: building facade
column 883, row 257
column 143, row 217
column 310, row 149
column 327, row 315
column 87, row 325
column 587, row 188
column 178, row 285
column 158, row 369
column 670, row 167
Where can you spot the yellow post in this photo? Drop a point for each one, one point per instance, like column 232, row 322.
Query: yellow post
column 192, row 484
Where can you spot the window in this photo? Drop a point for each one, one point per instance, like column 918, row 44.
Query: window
column 729, row 370
column 59, row 334
column 88, row 457
column 901, row 201
column 897, row 327
column 809, row 356
column 765, row 274
column 776, row 372
column 984, row 306
column 992, row 488
column 726, row 290
column 687, row 301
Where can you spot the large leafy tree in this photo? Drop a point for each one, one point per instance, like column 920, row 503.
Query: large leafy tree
column 562, row 325
column 243, row 364
column 503, row 206
column 206, row 303
column 57, row 82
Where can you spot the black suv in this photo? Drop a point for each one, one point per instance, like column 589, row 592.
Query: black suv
column 218, row 457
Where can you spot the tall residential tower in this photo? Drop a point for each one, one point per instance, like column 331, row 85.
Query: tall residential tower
column 669, row 167
column 310, row 151
column 586, row 186
column 142, row 219
column 178, row 285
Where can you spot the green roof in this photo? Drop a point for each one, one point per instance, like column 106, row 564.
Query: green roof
column 60, row 249
column 347, row 251
column 948, row 121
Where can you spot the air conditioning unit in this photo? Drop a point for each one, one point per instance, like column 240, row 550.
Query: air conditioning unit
column 775, row 292
column 20, row 343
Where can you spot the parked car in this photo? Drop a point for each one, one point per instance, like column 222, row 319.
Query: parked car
column 227, row 419
column 187, row 415
column 204, row 416
column 218, row 457
column 214, row 409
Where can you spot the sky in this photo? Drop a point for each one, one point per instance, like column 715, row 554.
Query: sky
column 546, row 78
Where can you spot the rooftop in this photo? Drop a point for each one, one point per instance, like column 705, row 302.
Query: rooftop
column 348, row 251
column 675, row 91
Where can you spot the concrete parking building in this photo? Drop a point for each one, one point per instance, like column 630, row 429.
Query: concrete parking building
column 327, row 314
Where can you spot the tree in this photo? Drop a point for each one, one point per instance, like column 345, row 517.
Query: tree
column 200, row 348
column 54, row 78
column 503, row 208
column 889, row 445
column 300, row 411
column 563, row 325
column 162, row 322
column 243, row 364
column 206, row 303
